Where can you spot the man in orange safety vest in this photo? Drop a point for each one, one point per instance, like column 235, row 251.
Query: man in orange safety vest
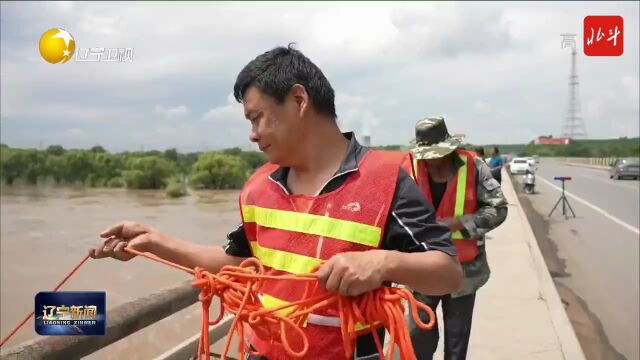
column 470, row 202
column 322, row 200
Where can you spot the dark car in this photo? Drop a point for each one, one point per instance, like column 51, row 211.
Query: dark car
column 625, row 168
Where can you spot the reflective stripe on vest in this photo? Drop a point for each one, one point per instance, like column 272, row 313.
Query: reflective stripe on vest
column 461, row 192
column 271, row 302
column 284, row 260
column 313, row 224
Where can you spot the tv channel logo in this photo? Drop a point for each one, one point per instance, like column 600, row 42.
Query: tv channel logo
column 70, row 313
column 57, row 46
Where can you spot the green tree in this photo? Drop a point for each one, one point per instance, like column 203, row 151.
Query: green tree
column 233, row 151
column 55, row 150
column 116, row 182
column 171, row 155
column 98, row 149
column 29, row 164
column 107, row 166
column 215, row 170
column 77, row 165
column 55, row 164
column 153, row 153
column 148, row 172
column 254, row 159
column 186, row 161
column 388, row 147
column 10, row 165
column 176, row 188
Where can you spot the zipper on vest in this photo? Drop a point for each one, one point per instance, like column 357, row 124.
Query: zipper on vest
column 284, row 189
column 335, row 177
column 323, row 186
column 281, row 186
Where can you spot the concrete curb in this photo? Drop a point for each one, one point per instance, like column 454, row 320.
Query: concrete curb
column 567, row 338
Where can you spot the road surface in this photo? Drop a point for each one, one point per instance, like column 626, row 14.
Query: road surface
column 597, row 253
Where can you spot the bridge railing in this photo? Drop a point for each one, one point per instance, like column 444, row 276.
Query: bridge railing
column 123, row 320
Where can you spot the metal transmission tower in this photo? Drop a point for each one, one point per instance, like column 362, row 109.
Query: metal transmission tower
column 574, row 126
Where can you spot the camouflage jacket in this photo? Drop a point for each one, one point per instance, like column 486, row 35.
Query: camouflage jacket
column 491, row 212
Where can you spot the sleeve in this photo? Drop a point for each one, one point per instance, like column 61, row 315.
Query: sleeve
column 492, row 205
column 411, row 225
column 237, row 243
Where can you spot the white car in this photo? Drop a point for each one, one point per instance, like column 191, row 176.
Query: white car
column 533, row 163
column 519, row 165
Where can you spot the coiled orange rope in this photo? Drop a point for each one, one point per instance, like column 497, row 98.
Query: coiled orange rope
column 237, row 288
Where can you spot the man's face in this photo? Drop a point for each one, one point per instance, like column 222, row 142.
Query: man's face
column 273, row 126
column 437, row 162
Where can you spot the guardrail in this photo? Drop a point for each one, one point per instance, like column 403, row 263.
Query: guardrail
column 189, row 347
column 124, row 320
column 603, row 161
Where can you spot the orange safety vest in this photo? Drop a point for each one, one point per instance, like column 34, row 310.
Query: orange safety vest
column 288, row 239
column 459, row 199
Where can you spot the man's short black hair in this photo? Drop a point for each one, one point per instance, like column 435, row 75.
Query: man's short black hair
column 276, row 71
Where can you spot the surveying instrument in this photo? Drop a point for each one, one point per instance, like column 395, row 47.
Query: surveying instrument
column 563, row 198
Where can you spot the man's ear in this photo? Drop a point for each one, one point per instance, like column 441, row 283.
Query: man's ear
column 300, row 97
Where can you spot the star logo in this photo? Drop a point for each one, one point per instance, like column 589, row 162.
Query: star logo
column 57, row 46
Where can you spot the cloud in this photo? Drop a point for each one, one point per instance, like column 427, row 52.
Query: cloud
column 75, row 132
column 610, row 109
column 102, row 25
column 632, row 88
column 452, row 29
column 481, row 107
column 346, row 28
column 390, row 64
column 176, row 112
column 231, row 111
column 355, row 113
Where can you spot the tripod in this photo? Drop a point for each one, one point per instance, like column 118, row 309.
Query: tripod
column 563, row 199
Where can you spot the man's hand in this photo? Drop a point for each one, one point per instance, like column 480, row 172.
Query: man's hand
column 453, row 223
column 126, row 230
column 117, row 237
column 354, row 273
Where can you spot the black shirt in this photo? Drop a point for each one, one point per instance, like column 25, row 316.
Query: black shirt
column 411, row 225
column 437, row 191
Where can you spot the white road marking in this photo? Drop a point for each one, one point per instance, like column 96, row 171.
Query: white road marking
column 612, row 182
column 594, row 207
column 603, row 179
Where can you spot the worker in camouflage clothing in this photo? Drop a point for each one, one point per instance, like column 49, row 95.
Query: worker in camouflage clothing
column 470, row 202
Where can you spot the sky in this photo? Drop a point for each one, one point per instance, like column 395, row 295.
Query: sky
column 495, row 70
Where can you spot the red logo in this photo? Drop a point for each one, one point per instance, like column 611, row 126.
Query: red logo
column 603, row 36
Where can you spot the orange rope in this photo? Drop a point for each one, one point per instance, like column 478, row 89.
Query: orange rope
column 54, row 289
column 237, row 288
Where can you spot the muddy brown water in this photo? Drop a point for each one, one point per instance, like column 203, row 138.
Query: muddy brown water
column 46, row 231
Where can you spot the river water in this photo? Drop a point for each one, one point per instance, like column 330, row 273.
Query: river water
column 46, row 231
